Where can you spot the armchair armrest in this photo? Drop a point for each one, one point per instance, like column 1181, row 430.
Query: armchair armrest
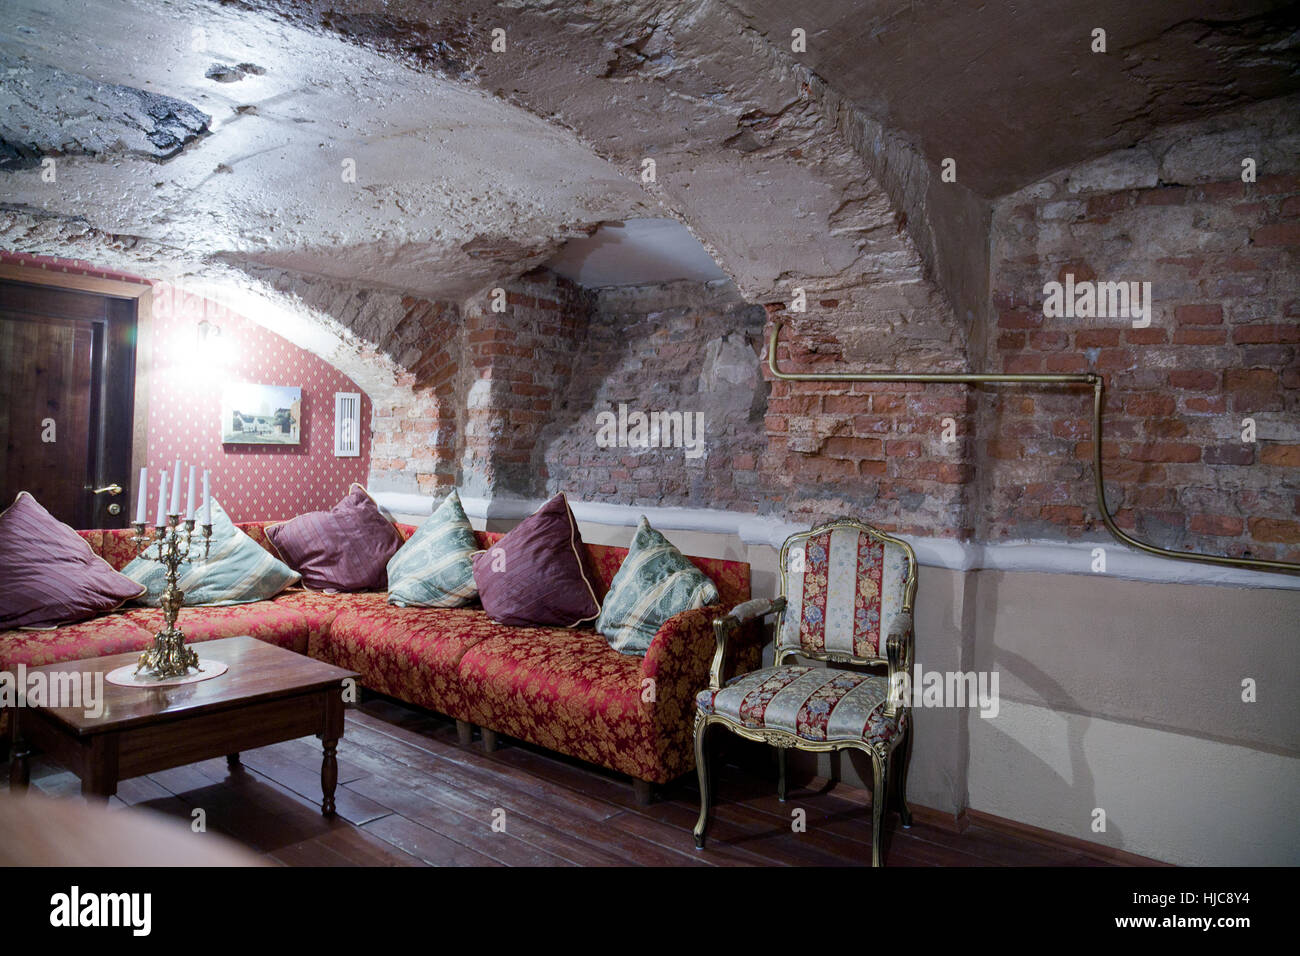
column 898, row 650
column 728, row 624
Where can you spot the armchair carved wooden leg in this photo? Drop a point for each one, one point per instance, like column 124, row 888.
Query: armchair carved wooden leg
column 780, row 774
column 901, row 757
column 878, row 800
column 701, row 766
column 723, row 628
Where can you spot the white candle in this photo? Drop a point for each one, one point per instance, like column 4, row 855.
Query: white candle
column 176, row 490
column 189, row 497
column 207, row 498
column 141, row 495
column 162, row 500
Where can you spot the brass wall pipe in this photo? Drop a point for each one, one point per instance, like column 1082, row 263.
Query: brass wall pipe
column 1098, row 384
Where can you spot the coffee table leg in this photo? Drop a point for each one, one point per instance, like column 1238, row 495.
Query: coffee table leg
column 329, row 777
column 99, row 777
column 97, row 791
column 19, row 770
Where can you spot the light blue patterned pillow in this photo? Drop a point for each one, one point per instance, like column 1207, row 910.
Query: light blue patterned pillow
column 238, row 569
column 433, row 568
column 654, row 583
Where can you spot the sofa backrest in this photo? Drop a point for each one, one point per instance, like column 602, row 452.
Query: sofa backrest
column 730, row 577
column 114, row 544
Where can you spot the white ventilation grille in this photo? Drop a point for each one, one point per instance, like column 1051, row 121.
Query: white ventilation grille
column 347, row 424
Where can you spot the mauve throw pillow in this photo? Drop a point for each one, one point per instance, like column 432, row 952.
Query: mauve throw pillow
column 48, row 573
column 344, row 549
column 537, row 574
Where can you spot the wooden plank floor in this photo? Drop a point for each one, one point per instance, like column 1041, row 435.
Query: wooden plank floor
column 408, row 795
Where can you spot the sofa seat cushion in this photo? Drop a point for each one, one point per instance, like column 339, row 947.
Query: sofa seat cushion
column 321, row 607
column 565, row 690
column 411, row 653
column 818, row 704
column 264, row 620
column 98, row 637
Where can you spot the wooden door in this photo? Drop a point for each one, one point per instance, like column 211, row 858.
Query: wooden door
column 67, row 397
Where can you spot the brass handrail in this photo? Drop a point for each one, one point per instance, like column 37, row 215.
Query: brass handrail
column 1098, row 400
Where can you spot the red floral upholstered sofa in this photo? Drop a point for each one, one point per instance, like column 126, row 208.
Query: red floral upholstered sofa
column 563, row 689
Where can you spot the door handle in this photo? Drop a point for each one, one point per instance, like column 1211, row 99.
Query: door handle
column 108, row 489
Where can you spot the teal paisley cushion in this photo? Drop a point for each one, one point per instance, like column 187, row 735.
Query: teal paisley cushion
column 655, row 582
column 433, row 568
column 238, row 570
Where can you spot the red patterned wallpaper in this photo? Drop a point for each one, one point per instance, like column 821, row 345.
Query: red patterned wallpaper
column 252, row 482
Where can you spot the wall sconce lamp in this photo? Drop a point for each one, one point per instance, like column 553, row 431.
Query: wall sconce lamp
column 208, row 333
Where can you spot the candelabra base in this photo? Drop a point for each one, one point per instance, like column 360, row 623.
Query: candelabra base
column 169, row 657
column 170, row 545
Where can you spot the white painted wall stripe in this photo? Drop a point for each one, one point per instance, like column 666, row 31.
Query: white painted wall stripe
column 1174, row 797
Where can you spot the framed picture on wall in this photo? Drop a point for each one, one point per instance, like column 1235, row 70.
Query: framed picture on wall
column 261, row 415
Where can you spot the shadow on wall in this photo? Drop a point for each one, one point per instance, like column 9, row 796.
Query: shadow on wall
column 575, row 409
column 691, row 352
column 1063, row 795
column 1067, row 796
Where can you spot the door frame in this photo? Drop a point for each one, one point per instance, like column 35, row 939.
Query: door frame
column 141, row 295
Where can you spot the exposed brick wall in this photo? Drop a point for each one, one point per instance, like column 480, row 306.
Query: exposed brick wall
column 684, row 347
column 1221, row 347
column 519, row 363
column 873, row 450
column 805, row 450
column 517, row 414
column 481, row 386
column 419, row 437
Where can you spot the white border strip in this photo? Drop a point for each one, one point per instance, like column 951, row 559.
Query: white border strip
column 1049, row 557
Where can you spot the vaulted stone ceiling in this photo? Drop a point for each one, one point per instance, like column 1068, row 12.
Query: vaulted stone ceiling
column 816, row 169
column 1013, row 90
column 451, row 188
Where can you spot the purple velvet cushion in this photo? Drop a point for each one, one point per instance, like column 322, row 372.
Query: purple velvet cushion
column 538, row 573
column 344, row 549
column 48, row 573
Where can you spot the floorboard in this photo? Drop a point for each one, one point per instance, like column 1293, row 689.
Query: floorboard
column 409, row 795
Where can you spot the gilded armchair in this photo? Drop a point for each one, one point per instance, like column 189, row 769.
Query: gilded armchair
column 844, row 586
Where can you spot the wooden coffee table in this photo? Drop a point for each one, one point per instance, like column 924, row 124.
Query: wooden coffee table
column 268, row 695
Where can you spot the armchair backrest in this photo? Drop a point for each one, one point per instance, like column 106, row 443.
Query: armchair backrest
column 844, row 581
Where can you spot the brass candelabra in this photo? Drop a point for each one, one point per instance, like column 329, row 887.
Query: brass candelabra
column 170, row 545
